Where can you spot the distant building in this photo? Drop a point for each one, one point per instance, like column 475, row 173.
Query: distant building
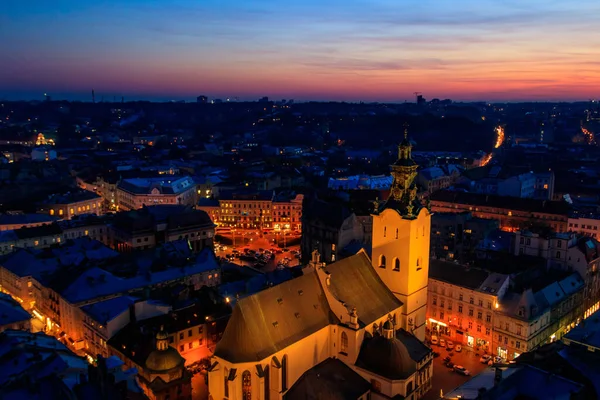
column 12, row 221
column 150, row 226
column 512, row 213
column 133, row 194
column 455, row 236
column 43, row 154
column 588, row 225
column 70, row 204
column 202, row 99
column 437, row 178
column 255, row 210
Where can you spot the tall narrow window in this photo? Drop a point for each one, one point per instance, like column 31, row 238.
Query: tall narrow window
column 396, row 233
column 246, row 385
column 382, row 261
column 226, row 382
column 284, row 372
column 396, row 264
column 384, row 231
column 267, row 395
column 344, row 344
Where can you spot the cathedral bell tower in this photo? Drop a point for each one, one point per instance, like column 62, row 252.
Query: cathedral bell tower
column 401, row 229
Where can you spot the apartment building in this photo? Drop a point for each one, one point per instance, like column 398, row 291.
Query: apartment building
column 588, row 225
column 512, row 215
column 133, row 194
column 537, row 315
column 461, row 303
column 150, row 226
column 258, row 210
column 55, row 285
column 71, row 204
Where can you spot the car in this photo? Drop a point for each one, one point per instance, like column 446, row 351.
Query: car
column 485, row 358
column 458, row 348
column 449, row 345
column 442, row 343
column 223, row 248
column 285, row 249
column 434, row 340
column 461, row 370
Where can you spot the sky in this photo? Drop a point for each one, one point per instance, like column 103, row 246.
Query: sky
column 353, row 50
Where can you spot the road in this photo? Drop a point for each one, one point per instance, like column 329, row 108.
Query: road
column 447, row 380
column 257, row 243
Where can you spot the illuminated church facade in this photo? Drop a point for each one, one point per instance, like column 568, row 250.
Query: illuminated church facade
column 350, row 329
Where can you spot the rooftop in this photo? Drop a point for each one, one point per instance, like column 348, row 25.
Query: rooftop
column 104, row 311
column 26, row 219
column 72, row 197
column 157, row 185
column 516, row 203
column 587, row 332
column 11, row 311
column 331, row 379
column 457, row 274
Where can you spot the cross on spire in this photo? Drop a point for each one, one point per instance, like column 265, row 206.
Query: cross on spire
column 406, row 130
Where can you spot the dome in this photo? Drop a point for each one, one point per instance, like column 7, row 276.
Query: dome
column 388, row 358
column 387, row 325
column 164, row 360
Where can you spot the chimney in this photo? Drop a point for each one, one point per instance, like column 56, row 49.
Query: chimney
column 132, row 316
column 497, row 376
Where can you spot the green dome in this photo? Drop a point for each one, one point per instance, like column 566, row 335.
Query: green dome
column 164, row 360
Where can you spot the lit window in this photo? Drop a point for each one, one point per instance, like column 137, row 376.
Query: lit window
column 51, row 212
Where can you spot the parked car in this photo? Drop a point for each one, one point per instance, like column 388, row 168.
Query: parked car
column 442, row 343
column 458, row 348
column 485, row 358
column 434, row 340
column 449, row 345
column 461, row 370
column 436, row 354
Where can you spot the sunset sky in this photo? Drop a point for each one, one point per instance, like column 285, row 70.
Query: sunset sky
column 370, row 50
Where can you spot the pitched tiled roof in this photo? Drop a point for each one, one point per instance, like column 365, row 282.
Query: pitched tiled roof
column 271, row 320
column 355, row 282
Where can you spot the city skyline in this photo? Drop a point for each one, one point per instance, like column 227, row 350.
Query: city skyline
column 333, row 50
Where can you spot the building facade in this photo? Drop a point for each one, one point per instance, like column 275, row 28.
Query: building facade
column 133, row 194
column 462, row 302
column 70, row 205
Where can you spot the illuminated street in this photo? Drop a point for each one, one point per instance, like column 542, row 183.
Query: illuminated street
column 253, row 241
column 445, row 379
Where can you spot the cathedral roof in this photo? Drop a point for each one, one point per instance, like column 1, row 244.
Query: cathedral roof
column 269, row 321
column 329, row 380
column 356, row 283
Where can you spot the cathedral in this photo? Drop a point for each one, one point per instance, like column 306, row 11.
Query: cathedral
column 352, row 329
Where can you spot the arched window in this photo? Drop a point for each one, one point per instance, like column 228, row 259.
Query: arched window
column 382, row 261
column 344, row 344
column 396, row 264
column 284, row 373
column 246, row 385
column 396, row 233
column 51, row 211
column 226, row 382
column 418, row 263
column 384, row 231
